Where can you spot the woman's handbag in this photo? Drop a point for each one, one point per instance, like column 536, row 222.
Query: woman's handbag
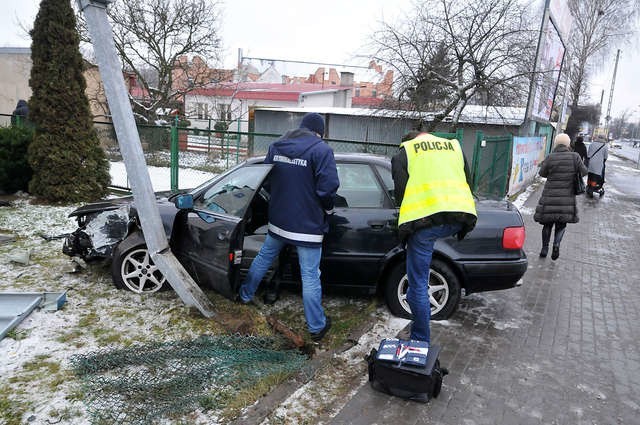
column 578, row 184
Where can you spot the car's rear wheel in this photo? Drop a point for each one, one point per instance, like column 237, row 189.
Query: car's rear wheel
column 133, row 269
column 444, row 291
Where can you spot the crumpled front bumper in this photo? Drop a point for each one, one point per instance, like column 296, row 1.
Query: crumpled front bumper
column 99, row 234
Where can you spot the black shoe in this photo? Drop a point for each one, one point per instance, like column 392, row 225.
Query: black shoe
column 319, row 335
column 270, row 297
column 252, row 301
column 544, row 251
column 555, row 253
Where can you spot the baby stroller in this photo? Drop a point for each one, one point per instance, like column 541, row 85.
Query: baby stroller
column 594, row 185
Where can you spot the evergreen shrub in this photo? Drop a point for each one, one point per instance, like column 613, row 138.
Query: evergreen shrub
column 15, row 171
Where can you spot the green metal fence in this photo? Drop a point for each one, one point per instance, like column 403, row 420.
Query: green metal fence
column 196, row 154
column 491, row 164
column 184, row 157
column 546, row 131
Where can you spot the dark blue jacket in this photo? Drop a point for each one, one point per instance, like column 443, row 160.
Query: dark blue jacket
column 22, row 110
column 303, row 185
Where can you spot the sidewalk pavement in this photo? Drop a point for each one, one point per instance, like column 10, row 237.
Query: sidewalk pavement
column 563, row 348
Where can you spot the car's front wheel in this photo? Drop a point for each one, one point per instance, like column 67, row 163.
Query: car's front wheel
column 444, row 291
column 133, row 269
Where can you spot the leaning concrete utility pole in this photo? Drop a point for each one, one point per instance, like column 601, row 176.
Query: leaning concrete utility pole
column 613, row 84
column 95, row 12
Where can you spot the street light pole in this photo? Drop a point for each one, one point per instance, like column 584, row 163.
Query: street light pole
column 95, row 13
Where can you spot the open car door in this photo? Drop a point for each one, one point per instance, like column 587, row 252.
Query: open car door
column 209, row 237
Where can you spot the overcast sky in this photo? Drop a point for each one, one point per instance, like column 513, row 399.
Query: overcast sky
column 332, row 31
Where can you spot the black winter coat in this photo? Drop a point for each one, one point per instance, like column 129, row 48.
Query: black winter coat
column 581, row 149
column 558, row 201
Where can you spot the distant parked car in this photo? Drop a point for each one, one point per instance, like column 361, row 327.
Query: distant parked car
column 616, row 144
column 217, row 238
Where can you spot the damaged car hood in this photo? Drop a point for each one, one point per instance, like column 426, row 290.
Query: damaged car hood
column 106, row 223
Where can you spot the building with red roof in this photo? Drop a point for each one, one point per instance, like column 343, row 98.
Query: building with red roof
column 233, row 102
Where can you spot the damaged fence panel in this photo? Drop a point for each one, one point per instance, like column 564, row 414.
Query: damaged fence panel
column 16, row 306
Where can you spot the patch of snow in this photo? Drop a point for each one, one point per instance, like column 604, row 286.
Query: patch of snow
column 522, row 198
column 161, row 177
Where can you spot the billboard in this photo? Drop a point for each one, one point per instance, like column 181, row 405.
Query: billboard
column 551, row 56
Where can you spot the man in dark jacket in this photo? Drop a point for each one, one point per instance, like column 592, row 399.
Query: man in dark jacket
column 580, row 148
column 431, row 185
column 303, row 183
column 22, row 111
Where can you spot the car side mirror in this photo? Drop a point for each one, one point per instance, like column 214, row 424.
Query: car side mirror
column 184, row 201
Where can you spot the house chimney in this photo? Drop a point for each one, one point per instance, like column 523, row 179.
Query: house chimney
column 346, row 81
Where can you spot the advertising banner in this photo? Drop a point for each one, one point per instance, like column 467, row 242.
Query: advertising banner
column 561, row 16
column 551, row 56
column 528, row 153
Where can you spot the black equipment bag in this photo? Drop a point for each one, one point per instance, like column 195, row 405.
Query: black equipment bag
column 417, row 383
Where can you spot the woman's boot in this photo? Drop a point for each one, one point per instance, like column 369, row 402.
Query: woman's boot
column 544, row 251
column 556, row 252
column 557, row 238
column 546, row 236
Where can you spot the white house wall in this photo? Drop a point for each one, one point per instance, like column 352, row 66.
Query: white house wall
column 317, row 100
column 239, row 109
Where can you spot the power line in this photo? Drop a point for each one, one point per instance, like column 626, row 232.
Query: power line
column 305, row 62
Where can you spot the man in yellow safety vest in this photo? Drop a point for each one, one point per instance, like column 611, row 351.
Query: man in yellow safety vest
column 430, row 176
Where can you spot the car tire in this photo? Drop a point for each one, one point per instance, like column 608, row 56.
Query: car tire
column 444, row 291
column 133, row 269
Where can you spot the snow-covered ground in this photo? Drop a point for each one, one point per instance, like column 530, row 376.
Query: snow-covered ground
column 627, row 151
column 161, row 177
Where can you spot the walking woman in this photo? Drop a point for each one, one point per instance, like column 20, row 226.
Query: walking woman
column 557, row 205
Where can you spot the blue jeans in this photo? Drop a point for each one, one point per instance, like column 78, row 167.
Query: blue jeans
column 419, row 252
column 309, row 260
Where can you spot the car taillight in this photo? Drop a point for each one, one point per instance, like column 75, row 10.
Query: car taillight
column 513, row 237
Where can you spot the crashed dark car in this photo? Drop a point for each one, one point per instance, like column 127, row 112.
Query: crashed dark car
column 219, row 235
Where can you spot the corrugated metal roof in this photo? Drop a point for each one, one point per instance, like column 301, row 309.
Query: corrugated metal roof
column 15, row 50
column 493, row 115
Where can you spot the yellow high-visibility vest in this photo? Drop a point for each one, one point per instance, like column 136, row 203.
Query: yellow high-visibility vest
column 437, row 182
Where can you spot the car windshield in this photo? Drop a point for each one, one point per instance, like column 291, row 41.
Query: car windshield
column 234, row 191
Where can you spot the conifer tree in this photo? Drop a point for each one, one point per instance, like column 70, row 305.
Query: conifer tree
column 68, row 163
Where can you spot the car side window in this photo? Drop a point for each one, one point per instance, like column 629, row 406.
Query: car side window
column 359, row 187
column 387, row 181
column 233, row 193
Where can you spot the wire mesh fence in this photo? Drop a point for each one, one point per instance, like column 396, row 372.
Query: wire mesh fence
column 149, row 383
column 203, row 153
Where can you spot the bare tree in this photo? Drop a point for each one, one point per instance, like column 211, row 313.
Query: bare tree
column 155, row 38
column 469, row 51
column 622, row 125
column 598, row 27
